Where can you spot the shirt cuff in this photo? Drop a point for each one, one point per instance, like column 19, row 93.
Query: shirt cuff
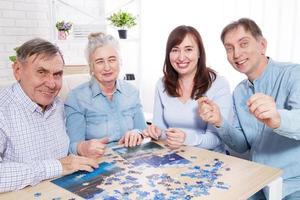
column 73, row 148
column 53, row 168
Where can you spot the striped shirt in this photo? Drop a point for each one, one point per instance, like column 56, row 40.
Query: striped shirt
column 31, row 141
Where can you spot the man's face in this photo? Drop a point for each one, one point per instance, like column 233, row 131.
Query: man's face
column 40, row 77
column 245, row 53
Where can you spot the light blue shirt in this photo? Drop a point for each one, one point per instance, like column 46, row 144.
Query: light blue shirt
column 279, row 147
column 170, row 112
column 90, row 114
column 31, row 141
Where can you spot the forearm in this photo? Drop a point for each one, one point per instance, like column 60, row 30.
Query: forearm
column 232, row 137
column 139, row 119
column 290, row 124
column 205, row 139
column 14, row 176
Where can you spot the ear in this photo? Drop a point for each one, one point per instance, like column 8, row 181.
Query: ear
column 17, row 70
column 263, row 46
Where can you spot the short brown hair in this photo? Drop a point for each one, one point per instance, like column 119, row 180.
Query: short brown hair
column 247, row 24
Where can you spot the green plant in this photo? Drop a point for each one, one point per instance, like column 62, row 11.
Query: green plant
column 13, row 58
column 122, row 19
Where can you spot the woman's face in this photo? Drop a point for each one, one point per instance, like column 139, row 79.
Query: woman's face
column 184, row 57
column 105, row 64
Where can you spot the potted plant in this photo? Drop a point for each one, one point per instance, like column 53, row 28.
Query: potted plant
column 63, row 29
column 122, row 20
column 13, row 58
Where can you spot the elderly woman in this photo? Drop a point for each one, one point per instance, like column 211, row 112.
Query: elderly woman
column 105, row 109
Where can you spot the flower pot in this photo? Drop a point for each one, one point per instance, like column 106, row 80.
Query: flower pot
column 122, row 34
column 62, row 35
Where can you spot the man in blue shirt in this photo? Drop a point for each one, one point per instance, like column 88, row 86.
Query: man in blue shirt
column 266, row 105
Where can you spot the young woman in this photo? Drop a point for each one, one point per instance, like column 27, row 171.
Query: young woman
column 186, row 78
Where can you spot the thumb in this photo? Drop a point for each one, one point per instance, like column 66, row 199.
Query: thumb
column 202, row 100
column 121, row 141
column 103, row 140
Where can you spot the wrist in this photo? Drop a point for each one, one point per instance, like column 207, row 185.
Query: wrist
column 80, row 148
column 218, row 124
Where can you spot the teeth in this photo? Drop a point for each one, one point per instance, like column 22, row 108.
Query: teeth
column 182, row 65
column 241, row 62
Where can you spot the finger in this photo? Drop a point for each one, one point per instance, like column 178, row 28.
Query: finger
column 154, row 132
column 140, row 139
column 255, row 97
column 131, row 139
column 86, row 161
column 85, row 168
column 122, row 140
column 135, row 140
column 173, row 144
column 103, row 140
column 259, row 104
column 202, row 100
column 145, row 133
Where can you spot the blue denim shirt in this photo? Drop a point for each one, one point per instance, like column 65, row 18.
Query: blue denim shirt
column 92, row 115
column 274, row 147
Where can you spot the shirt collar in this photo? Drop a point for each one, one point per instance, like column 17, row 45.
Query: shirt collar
column 264, row 75
column 28, row 103
column 96, row 89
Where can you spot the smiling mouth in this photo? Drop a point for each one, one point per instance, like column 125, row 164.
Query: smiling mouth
column 51, row 93
column 182, row 65
column 241, row 62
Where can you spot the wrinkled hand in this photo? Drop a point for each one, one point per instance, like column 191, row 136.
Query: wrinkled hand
column 263, row 107
column 131, row 139
column 73, row 163
column 175, row 138
column 152, row 131
column 94, row 148
column 209, row 111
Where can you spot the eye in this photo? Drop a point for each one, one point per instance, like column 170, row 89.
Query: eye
column 99, row 62
column 41, row 72
column 189, row 49
column 58, row 75
column 112, row 60
column 174, row 50
column 229, row 49
column 244, row 44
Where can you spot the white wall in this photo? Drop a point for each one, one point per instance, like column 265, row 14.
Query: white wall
column 20, row 20
column 278, row 19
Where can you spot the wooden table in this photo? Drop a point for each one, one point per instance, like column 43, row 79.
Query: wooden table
column 225, row 177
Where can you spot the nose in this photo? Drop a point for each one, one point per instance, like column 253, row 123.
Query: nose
column 50, row 82
column 181, row 55
column 106, row 65
column 237, row 52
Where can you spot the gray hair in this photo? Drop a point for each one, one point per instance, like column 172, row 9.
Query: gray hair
column 37, row 46
column 96, row 40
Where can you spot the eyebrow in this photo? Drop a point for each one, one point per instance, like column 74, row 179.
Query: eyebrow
column 243, row 38
column 48, row 71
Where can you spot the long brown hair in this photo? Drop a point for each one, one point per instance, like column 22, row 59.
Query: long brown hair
column 204, row 76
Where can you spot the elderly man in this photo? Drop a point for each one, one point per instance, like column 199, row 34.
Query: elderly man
column 33, row 139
